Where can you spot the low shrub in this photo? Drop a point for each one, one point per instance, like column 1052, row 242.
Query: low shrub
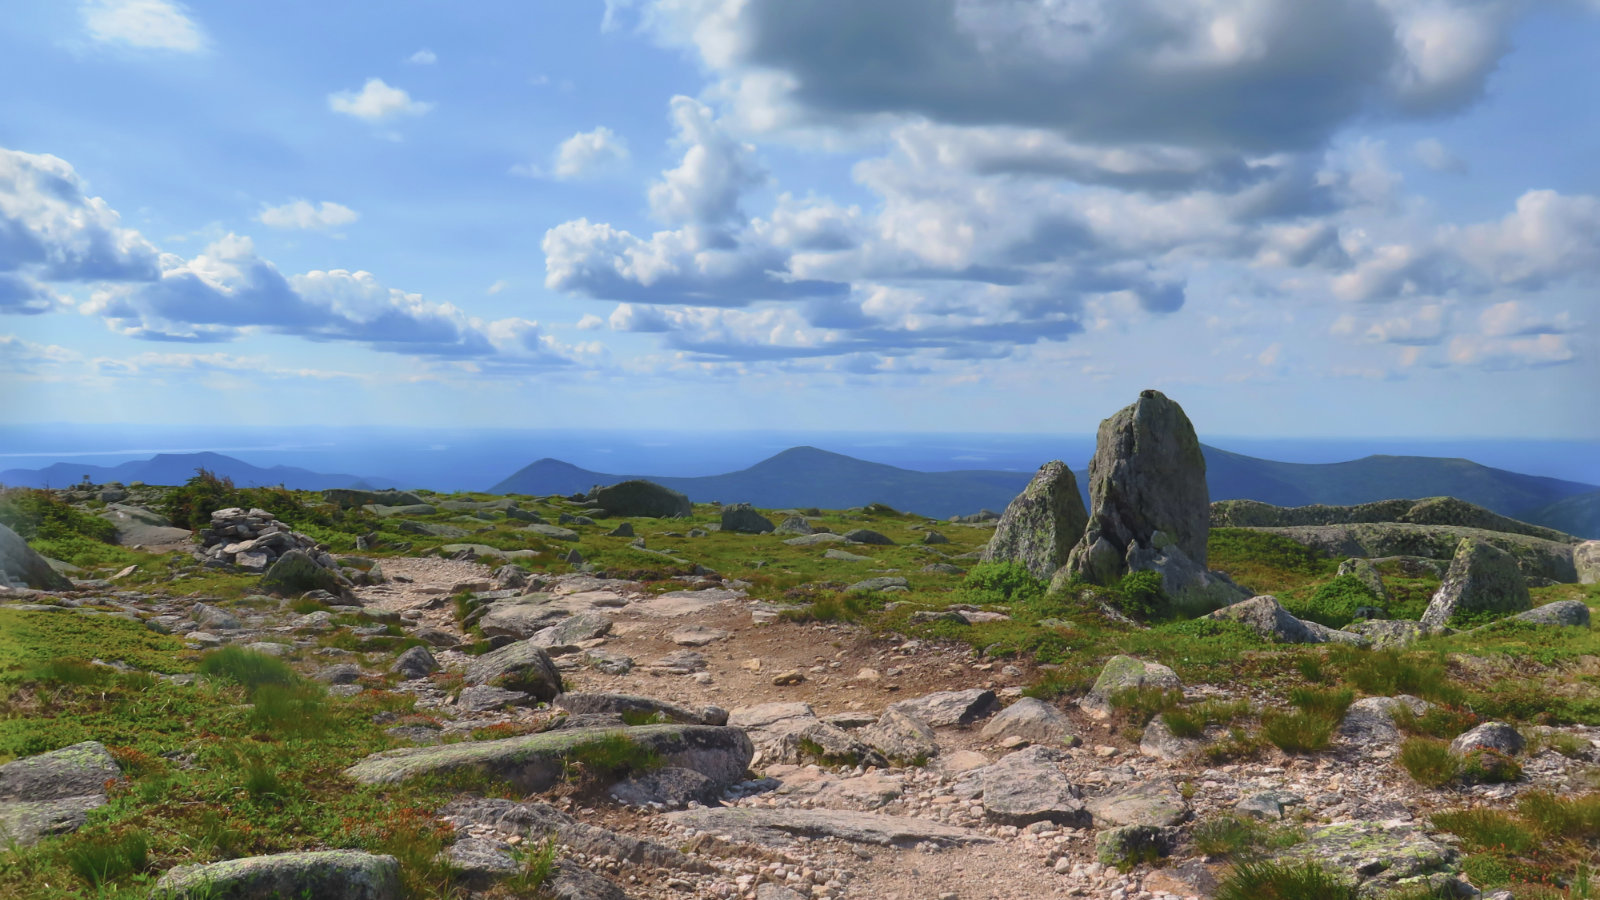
column 1001, row 582
column 1429, row 762
column 1334, row 604
column 1577, row 818
column 1140, row 595
column 1238, row 837
column 1192, row 721
column 102, row 859
column 1138, row 705
column 40, row 516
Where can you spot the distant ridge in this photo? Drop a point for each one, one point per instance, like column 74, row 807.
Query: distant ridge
column 808, row 476
column 177, row 468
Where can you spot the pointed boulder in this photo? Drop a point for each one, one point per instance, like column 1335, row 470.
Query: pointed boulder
column 1041, row 526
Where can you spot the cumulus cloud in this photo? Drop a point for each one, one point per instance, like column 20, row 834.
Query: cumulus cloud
column 1535, row 351
column 423, row 57
column 143, row 24
column 589, row 152
column 304, row 214
column 1548, row 237
column 1518, row 318
column 51, row 229
column 376, row 102
column 1257, row 75
column 705, row 188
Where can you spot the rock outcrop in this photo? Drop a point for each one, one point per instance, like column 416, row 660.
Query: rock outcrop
column 743, row 519
column 1122, row 673
column 325, row 875
column 52, row 793
column 1483, row 579
column 640, row 498
column 1586, row 559
column 1148, row 506
column 22, row 567
column 1428, row 511
column 1536, row 557
column 1266, row 616
column 1042, row 525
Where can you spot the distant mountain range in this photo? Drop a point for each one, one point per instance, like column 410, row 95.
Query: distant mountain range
column 177, row 468
column 807, row 476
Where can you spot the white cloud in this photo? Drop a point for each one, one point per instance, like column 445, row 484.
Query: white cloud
column 52, row 230
column 304, row 214
column 376, row 102
column 1517, row 318
column 1511, row 352
column 497, row 287
column 1549, row 237
column 589, row 152
column 716, row 169
column 145, row 24
column 1436, row 156
column 423, row 57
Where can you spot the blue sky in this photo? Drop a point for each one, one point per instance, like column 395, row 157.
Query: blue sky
column 1297, row 217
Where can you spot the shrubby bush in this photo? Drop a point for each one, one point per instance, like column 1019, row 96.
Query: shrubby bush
column 1002, row 582
column 1334, row 604
column 40, row 516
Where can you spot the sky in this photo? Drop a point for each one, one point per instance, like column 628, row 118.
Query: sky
column 1295, row 217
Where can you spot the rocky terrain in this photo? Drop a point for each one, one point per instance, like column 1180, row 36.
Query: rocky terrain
column 621, row 694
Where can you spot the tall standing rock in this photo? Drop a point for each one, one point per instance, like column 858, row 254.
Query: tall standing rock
column 1042, row 524
column 1482, row 579
column 1147, row 486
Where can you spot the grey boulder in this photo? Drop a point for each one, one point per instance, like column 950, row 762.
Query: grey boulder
column 741, row 518
column 1032, row 720
column 1041, row 526
column 22, row 567
column 324, row 875
column 523, row 666
column 1483, row 579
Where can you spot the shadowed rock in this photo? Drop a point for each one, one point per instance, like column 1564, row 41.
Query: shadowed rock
column 522, row 666
column 22, row 566
column 640, row 498
column 1040, row 527
column 742, row 518
column 1123, row 673
column 781, row 826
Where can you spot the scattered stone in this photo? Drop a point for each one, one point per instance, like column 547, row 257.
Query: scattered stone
column 867, row 536
column 943, row 569
column 1496, row 736
column 484, row 698
column 338, row 673
column 881, row 583
column 555, row 532
column 696, row 636
column 609, row 663
column 1123, row 673
column 1385, row 852
column 902, row 739
column 1032, row 720
column 789, row 678
column 522, row 666
column 946, row 708
column 1042, row 525
column 296, row 572
column 1266, row 616
column 794, row 525
column 823, row 537
column 1586, row 559
column 1158, row 741
column 1028, row 786
column 741, row 518
column 572, row 631
column 625, row 529
column 934, row 537
column 1149, row 803
column 416, row 662
column 1369, row 722
column 844, row 556
column 1129, row 845
column 1482, row 579
column 680, row 662
column 641, row 498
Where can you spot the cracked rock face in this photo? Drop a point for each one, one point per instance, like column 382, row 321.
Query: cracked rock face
column 1146, row 490
column 1482, row 579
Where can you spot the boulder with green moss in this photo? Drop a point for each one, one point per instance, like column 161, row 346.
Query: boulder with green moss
column 1536, row 557
column 1483, row 580
column 537, row 762
column 1427, row 511
column 325, row 875
column 1040, row 527
column 1124, row 673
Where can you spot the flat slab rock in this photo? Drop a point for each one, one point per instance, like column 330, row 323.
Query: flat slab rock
column 535, row 762
column 1375, row 850
column 329, row 875
column 779, row 827
column 947, row 708
column 52, row 793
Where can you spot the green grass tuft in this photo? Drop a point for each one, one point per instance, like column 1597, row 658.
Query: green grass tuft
column 1284, row 881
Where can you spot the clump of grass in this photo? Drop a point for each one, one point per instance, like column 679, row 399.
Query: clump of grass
column 70, row 671
column 1284, row 881
column 1562, row 742
column 299, row 710
column 609, row 756
column 1487, row 830
column 102, row 859
column 1192, row 721
column 247, row 668
column 1429, row 762
column 1329, row 704
column 1238, row 744
column 845, row 608
column 1390, row 672
column 1485, row 766
column 1138, row 705
column 1438, row 721
column 1577, row 818
column 1298, row 732
column 537, row 863
column 1239, row 837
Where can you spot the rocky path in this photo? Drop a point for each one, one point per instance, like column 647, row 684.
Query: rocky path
column 990, row 811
